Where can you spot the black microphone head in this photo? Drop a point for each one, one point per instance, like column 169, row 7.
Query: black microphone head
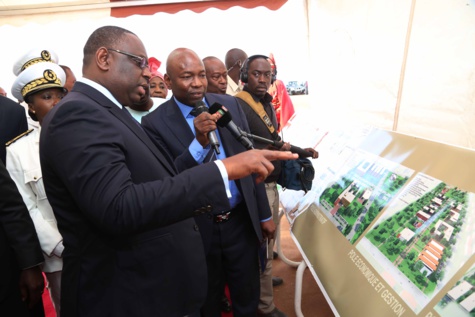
column 200, row 107
column 225, row 115
column 225, row 119
column 215, row 107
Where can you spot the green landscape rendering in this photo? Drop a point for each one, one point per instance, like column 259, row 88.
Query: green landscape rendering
column 422, row 238
column 354, row 201
column 419, row 238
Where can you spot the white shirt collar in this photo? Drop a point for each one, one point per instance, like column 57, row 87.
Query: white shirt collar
column 102, row 89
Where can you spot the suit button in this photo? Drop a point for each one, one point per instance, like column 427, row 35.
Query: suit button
column 196, row 228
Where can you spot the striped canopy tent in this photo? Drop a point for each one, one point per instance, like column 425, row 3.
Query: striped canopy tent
column 18, row 12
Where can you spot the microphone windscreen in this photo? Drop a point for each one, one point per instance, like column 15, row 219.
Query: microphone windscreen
column 225, row 115
column 225, row 119
column 215, row 107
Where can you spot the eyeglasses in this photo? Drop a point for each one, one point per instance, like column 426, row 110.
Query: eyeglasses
column 142, row 62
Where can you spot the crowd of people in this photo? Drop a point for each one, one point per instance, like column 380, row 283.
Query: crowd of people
column 125, row 190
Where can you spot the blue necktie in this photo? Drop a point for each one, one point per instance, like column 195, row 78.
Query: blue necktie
column 211, row 156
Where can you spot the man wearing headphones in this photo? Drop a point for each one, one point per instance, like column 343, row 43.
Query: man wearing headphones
column 257, row 76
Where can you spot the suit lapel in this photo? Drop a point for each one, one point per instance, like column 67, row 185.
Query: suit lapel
column 128, row 121
column 133, row 125
column 177, row 125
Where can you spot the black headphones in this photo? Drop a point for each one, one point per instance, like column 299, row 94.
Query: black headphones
column 274, row 75
column 245, row 68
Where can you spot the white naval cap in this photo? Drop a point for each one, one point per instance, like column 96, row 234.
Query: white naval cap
column 38, row 77
column 34, row 56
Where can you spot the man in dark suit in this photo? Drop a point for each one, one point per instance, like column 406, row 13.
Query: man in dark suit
column 231, row 244
column 132, row 247
column 12, row 123
column 21, row 279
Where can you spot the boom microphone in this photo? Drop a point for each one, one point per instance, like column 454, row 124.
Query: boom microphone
column 294, row 149
column 200, row 107
column 226, row 121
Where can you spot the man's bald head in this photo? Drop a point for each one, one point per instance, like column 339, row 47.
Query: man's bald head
column 216, row 74
column 234, row 60
column 234, row 56
column 186, row 76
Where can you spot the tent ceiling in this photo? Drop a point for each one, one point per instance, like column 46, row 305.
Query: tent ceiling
column 123, row 8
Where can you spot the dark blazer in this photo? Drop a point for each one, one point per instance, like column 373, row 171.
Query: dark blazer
column 168, row 128
column 132, row 247
column 12, row 122
column 19, row 245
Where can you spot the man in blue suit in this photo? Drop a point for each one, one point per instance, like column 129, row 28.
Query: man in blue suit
column 132, row 247
column 231, row 237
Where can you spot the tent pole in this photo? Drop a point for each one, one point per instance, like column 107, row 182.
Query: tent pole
column 403, row 65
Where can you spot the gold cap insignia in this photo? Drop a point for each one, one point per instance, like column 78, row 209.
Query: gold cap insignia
column 45, row 56
column 49, row 80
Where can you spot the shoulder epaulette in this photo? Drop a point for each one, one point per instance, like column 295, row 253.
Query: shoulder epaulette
column 18, row 137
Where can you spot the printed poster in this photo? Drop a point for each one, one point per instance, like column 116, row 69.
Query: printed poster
column 388, row 228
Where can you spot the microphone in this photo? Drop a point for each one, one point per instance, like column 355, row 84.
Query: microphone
column 199, row 108
column 294, row 149
column 226, row 121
